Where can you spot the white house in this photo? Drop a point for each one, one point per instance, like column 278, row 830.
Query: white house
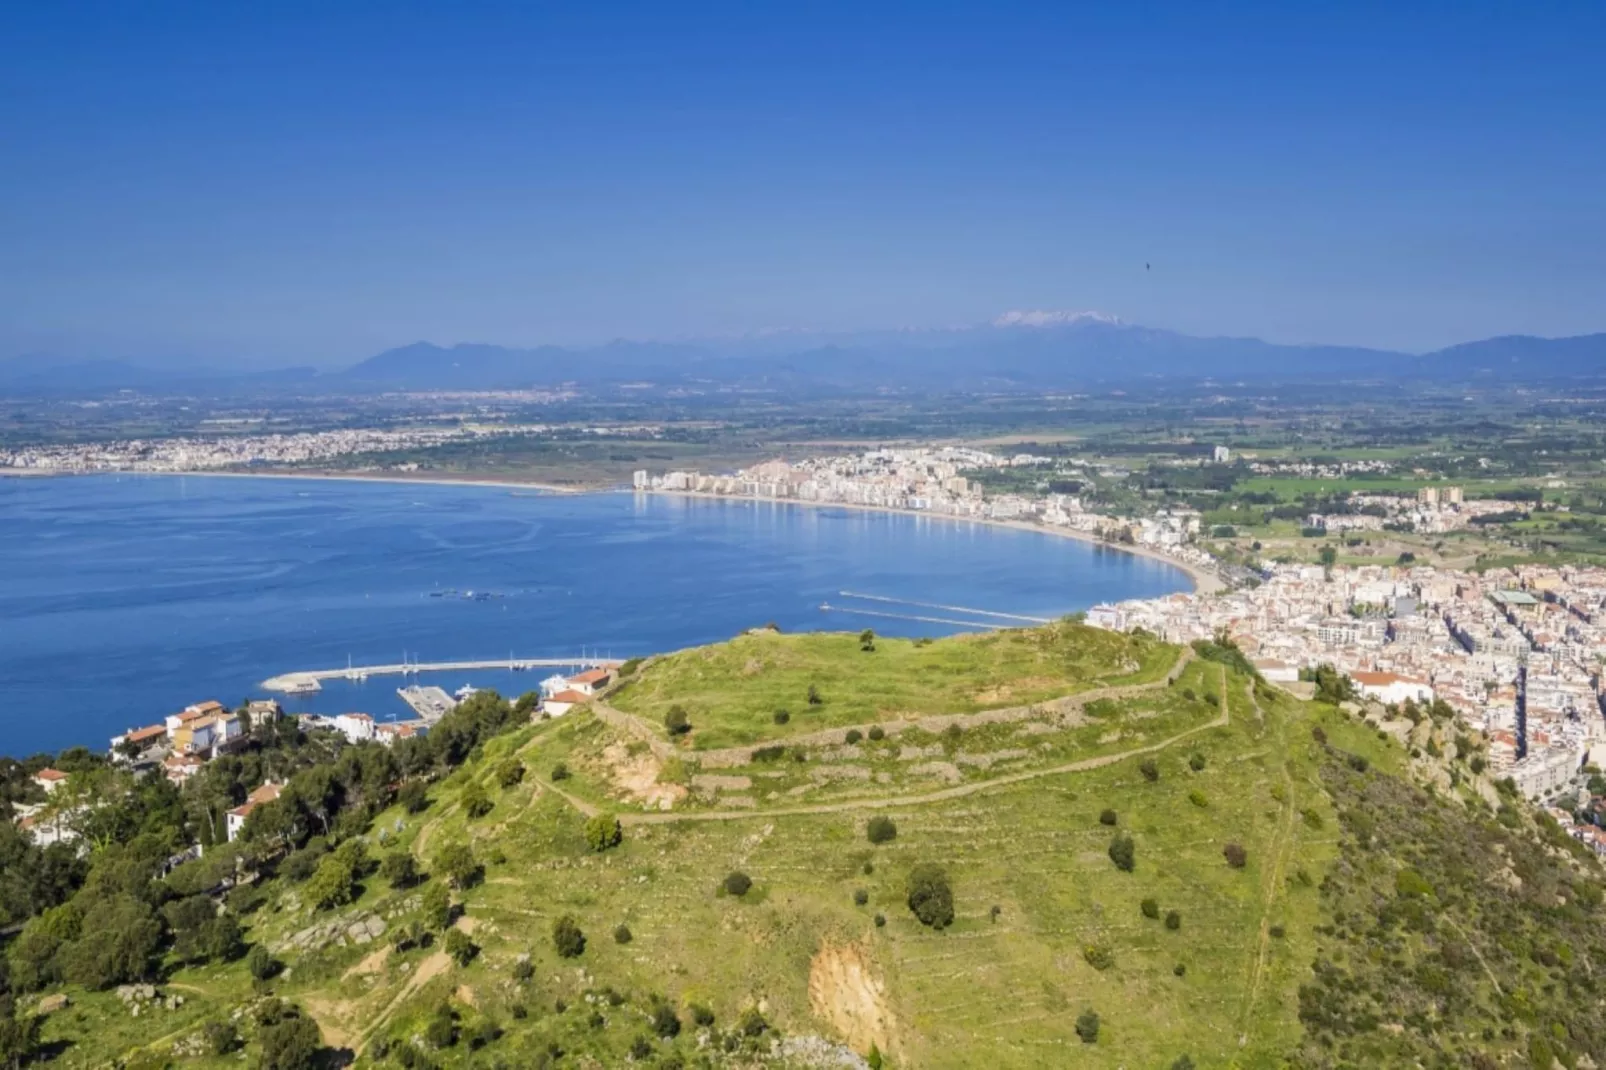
column 356, row 727
column 1388, row 687
column 564, row 701
column 50, row 780
column 265, row 793
column 591, row 681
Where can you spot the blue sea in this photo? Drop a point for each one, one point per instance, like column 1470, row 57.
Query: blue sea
column 125, row 598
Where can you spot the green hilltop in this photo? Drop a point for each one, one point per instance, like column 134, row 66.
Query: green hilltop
column 1041, row 847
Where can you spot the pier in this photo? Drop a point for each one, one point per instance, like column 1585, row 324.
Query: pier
column 292, row 682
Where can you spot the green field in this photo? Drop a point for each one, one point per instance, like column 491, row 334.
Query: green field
column 731, row 691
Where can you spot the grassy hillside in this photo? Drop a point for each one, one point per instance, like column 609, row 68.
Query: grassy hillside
column 1181, row 954
column 731, row 692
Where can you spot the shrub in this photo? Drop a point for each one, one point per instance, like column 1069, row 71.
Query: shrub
column 221, row 1037
column 641, row 1049
column 853, row 736
column 1098, row 956
column 523, row 970
column 868, row 867
column 290, row 1043
column 782, row 716
column 954, row 732
column 860, row 897
column 567, row 939
column 737, row 883
column 877, row 733
column 1087, row 1027
column 1150, row 908
column 1277, row 932
column 261, row 963
column 676, row 721
column 475, row 802
column 930, row 897
column 622, row 934
column 880, row 921
column 815, row 698
column 603, row 832
column 1196, row 762
column 1198, row 799
column 399, row 869
column 752, row 1023
column 1358, row 762
column 1150, row 769
column 701, row 1015
column 1179, row 970
column 1173, row 920
column 459, row 947
column 772, row 753
column 881, row 829
column 1122, row 853
column 1182, row 1062
column 1107, row 817
column 457, row 864
column 665, row 1022
column 437, row 906
column 1235, row 855
column 867, row 641
column 413, row 796
column 1318, row 733
column 560, row 772
column 510, row 772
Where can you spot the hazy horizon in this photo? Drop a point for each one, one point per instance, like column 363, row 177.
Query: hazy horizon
column 314, row 185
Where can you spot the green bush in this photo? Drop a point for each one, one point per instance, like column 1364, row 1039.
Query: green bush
column 603, row 832
column 930, row 896
column 1196, row 762
column 782, row 716
column 1107, row 817
column 860, row 897
column 665, row 1022
column 1087, row 1027
column 1150, row 908
column 413, row 796
column 752, row 1023
column 622, row 934
column 881, row 829
column 399, row 869
column 676, row 721
column 815, row 698
column 1173, row 920
column 1122, row 853
column 260, row 963
column 1098, row 956
column 1235, row 855
column 459, row 947
column 221, row 1037
column 475, row 802
column 853, row 736
column 510, row 772
column 567, row 939
column 737, row 883
column 560, row 772
column 700, row 1015
column 877, row 733
column 1198, row 798
column 1150, row 769
column 523, row 969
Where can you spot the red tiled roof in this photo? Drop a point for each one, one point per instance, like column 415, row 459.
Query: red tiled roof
column 590, row 676
column 570, row 697
column 50, row 774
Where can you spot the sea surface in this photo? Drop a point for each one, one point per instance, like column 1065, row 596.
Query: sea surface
column 125, row 598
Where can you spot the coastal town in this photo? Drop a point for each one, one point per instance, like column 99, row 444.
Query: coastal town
column 1516, row 653
column 183, row 743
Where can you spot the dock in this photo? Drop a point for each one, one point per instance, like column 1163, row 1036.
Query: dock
column 430, row 703
column 292, row 682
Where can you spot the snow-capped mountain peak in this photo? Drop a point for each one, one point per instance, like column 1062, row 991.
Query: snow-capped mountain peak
column 1037, row 317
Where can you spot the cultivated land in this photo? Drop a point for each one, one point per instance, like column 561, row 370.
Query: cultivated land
column 1007, row 750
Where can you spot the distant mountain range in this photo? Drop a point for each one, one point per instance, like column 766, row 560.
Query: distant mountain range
column 1017, row 351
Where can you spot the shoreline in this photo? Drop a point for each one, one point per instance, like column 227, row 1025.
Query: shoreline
column 1203, row 582
column 332, row 477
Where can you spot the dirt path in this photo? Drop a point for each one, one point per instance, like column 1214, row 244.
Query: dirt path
column 1282, row 844
column 431, row 968
column 945, row 794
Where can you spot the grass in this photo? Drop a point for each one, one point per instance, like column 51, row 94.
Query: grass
column 731, row 691
column 1034, row 886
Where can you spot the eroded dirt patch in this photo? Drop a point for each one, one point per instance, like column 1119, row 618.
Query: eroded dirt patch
column 636, row 776
column 845, row 991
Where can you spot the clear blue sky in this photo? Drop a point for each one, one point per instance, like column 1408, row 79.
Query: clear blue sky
column 285, row 182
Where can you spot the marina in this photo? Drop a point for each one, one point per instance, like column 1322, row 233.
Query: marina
column 310, row 681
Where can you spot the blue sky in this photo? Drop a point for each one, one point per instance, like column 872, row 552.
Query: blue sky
column 312, row 183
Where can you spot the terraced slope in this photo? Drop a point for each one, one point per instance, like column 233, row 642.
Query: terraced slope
column 1181, row 954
